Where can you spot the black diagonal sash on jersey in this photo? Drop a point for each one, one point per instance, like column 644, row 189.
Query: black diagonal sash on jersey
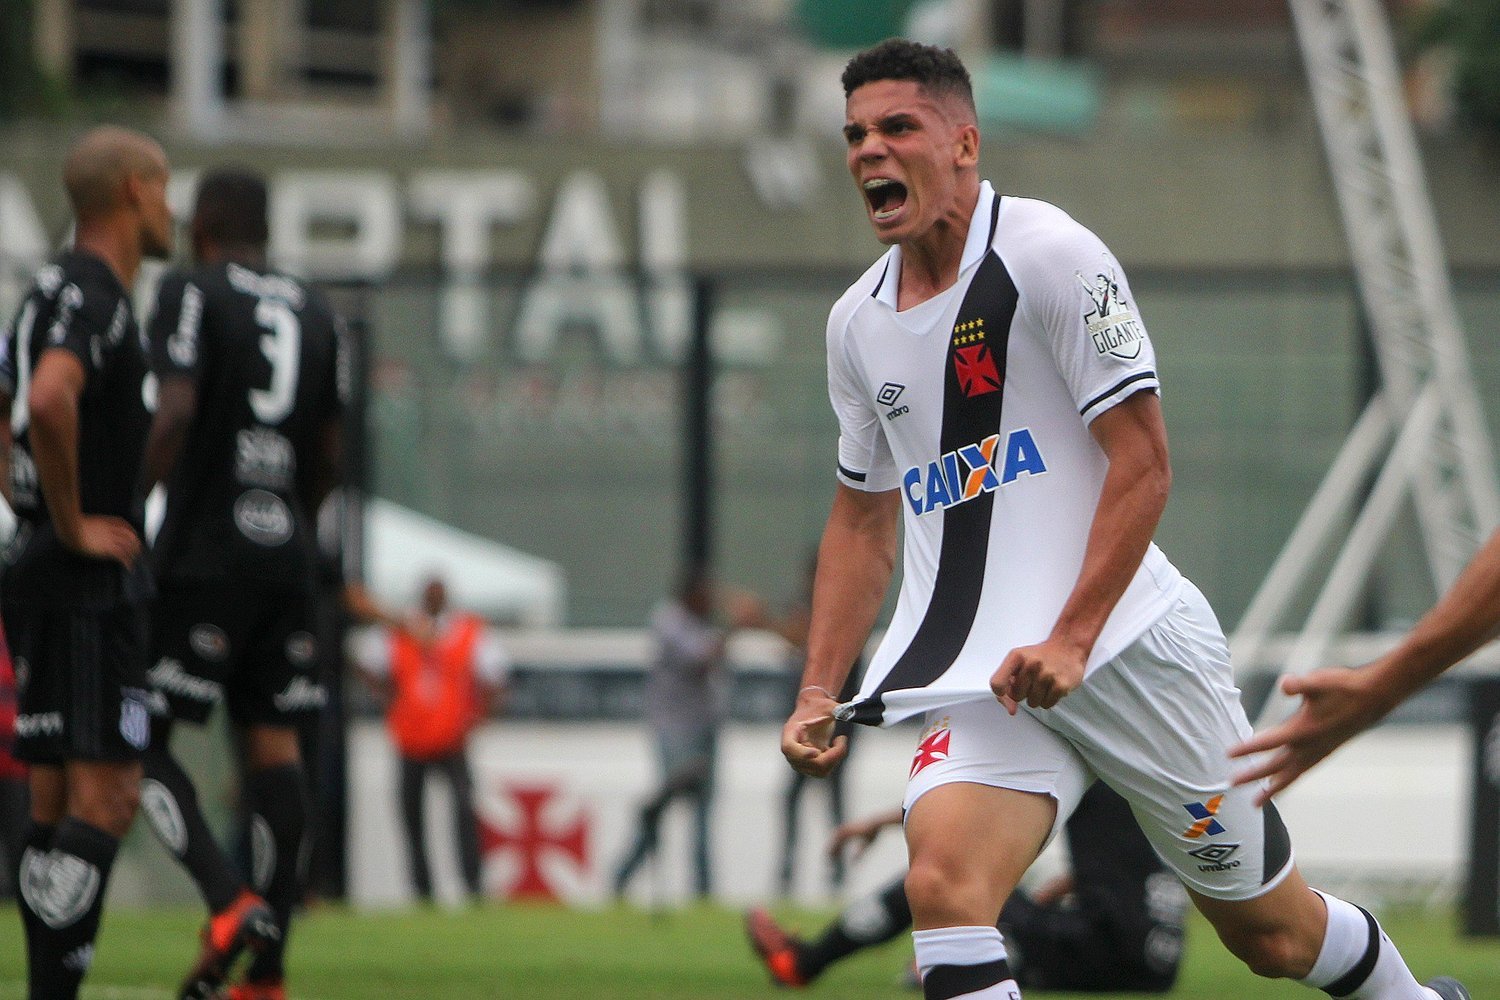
column 976, row 351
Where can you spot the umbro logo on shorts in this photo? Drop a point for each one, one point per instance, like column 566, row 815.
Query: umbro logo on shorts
column 1216, row 857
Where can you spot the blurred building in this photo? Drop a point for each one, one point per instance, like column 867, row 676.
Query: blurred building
column 529, row 201
column 675, row 70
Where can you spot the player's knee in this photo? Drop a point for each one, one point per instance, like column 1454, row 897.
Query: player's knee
column 108, row 803
column 941, row 892
column 1273, row 952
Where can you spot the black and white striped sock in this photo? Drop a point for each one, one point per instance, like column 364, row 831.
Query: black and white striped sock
column 964, row 962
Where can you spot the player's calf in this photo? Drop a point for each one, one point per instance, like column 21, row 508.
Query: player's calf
column 170, row 803
column 1295, row 932
column 277, row 798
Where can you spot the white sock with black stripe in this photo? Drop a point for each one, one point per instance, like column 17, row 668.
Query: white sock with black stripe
column 1359, row 961
column 964, row 962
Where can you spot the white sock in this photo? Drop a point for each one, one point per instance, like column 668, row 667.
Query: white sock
column 1359, row 961
column 967, row 962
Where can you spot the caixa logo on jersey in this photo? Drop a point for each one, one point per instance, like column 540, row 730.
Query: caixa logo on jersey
column 967, row 472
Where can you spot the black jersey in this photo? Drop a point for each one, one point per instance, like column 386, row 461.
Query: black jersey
column 264, row 352
column 78, row 305
column 1118, row 878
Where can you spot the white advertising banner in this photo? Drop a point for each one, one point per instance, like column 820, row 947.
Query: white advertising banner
column 559, row 805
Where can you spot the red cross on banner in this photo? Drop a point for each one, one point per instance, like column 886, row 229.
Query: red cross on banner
column 531, row 839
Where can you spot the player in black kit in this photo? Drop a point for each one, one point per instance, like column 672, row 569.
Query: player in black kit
column 246, row 440
column 72, row 374
column 1113, row 924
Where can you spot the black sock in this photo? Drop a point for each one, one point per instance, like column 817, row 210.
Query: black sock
column 277, row 801
column 64, row 889
column 170, row 804
column 863, row 924
column 31, row 861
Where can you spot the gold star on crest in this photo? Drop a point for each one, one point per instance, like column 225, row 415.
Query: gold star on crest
column 971, row 332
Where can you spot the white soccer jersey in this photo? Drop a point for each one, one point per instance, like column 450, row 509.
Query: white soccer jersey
column 975, row 405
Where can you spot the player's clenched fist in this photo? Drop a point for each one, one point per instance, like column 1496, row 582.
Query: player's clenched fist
column 1039, row 675
column 805, row 739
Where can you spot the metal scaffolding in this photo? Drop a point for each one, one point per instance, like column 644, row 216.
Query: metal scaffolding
column 1423, row 434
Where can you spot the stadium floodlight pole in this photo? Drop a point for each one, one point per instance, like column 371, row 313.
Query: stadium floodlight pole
column 698, row 371
column 198, row 66
column 1403, row 283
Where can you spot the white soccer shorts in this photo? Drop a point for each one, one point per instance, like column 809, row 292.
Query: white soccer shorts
column 1155, row 723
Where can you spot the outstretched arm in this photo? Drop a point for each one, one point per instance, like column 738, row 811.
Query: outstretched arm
column 862, row 832
column 1134, row 439
column 855, row 562
column 1338, row 702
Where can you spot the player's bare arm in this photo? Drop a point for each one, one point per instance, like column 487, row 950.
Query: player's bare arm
column 176, row 408
column 56, row 388
column 855, row 560
column 861, row 833
column 1338, row 703
column 1133, row 437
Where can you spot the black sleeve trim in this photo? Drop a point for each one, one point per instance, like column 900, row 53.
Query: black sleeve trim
column 858, row 477
column 1107, row 393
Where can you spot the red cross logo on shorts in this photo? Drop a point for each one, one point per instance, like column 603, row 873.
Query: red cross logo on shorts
column 532, row 840
column 933, row 748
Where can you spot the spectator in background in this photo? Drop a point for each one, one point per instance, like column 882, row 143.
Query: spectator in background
column 686, row 704
column 440, row 674
column 13, row 796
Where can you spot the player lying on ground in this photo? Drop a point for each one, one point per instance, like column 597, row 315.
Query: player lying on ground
column 1113, row 924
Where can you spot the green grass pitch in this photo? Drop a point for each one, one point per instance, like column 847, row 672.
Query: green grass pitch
column 619, row 954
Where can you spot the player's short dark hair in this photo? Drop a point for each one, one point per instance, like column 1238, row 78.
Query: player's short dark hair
column 231, row 207
column 937, row 70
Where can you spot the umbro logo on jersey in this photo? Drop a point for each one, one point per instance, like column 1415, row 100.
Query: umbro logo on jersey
column 967, row 472
column 887, row 396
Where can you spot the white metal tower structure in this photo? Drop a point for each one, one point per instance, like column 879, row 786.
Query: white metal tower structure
column 1424, row 430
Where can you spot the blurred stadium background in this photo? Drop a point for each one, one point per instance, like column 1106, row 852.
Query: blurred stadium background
column 589, row 247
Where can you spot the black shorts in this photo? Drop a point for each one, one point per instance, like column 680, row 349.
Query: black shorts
column 255, row 649
column 81, row 691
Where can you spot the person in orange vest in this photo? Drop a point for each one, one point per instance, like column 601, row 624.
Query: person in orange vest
column 440, row 675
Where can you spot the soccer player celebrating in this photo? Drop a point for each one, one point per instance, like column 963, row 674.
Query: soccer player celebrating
column 995, row 386
column 246, row 439
column 71, row 377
